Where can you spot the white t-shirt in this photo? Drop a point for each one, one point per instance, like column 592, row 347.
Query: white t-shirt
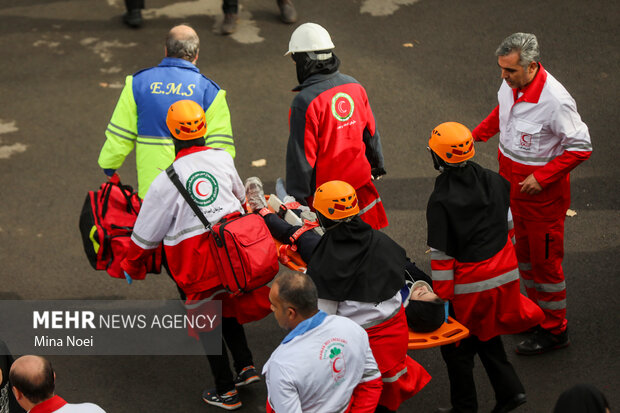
column 317, row 367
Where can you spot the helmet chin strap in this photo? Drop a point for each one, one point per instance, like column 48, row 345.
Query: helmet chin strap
column 438, row 163
column 326, row 223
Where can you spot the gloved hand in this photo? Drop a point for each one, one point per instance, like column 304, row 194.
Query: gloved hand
column 109, row 172
column 128, row 277
column 377, row 173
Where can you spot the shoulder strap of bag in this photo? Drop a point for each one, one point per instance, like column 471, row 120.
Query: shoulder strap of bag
column 172, row 174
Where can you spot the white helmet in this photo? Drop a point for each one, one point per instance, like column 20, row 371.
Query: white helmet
column 310, row 37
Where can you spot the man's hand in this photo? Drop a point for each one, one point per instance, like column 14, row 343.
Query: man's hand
column 530, row 185
column 377, row 173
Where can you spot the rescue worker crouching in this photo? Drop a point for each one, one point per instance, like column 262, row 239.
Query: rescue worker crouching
column 474, row 266
column 212, row 180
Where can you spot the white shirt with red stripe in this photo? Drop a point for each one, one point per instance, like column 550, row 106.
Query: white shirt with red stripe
column 318, row 365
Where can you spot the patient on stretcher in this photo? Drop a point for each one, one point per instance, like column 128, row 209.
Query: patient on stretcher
column 291, row 224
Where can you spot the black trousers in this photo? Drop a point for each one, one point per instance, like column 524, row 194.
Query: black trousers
column 233, row 337
column 460, row 362
column 230, row 6
column 134, row 4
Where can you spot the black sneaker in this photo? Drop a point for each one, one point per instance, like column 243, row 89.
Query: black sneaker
column 229, row 400
column 133, row 18
column 542, row 341
column 247, row 376
column 510, row 404
column 229, row 24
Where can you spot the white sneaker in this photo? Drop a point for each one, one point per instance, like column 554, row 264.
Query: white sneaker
column 254, row 194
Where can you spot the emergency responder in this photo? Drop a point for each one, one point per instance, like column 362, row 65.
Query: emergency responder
column 358, row 272
column 542, row 138
column 139, row 119
column 165, row 215
column 333, row 135
column 345, row 373
column 474, row 267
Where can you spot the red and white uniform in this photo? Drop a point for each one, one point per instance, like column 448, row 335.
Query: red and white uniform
column 388, row 333
column 542, row 134
column 333, row 136
column 485, row 295
column 323, row 365
column 213, row 182
column 57, row 404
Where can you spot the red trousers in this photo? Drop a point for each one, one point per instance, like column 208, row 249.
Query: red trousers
column 371, row 207
column 540, row 251
column 402, row 376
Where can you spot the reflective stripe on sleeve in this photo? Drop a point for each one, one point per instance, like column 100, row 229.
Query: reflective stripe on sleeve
column 486, row 285
column 183, row 232
column 370, row 373
column 551, row 288
column 442, row 275
column 144, row 242
column 394, row 377
column 127, row 138
column 552, row 305
column 369, row 206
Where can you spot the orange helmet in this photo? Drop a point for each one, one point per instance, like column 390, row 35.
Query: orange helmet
column 186, row 120
column 452, row 142
column 336, row 200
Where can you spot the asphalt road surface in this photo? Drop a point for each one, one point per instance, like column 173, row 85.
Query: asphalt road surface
column 422, row 62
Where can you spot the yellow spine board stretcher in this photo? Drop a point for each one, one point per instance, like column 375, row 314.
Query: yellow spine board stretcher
column 450, row 332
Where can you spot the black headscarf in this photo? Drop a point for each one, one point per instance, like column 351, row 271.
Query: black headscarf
column 582, row 398
column 307, row 67
column 467, row 213
column 181, row 144
column 355, row 262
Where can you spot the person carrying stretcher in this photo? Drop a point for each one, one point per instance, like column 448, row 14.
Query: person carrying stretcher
column 474, row 267
column 359, row 273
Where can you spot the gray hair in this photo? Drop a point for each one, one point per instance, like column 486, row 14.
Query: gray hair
column 182, row 44
column 298, row 290
column 525, row 44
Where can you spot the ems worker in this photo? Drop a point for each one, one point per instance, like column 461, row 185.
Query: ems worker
column 324, row 364
column 474, row 267
column 139, row 119
column 358, row 272
column 333, row 135
column 214, row 184
column 542, row 138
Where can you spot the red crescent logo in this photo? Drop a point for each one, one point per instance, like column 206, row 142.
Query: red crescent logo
column 336, row 370
column 343, row 106
column 197, row 188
